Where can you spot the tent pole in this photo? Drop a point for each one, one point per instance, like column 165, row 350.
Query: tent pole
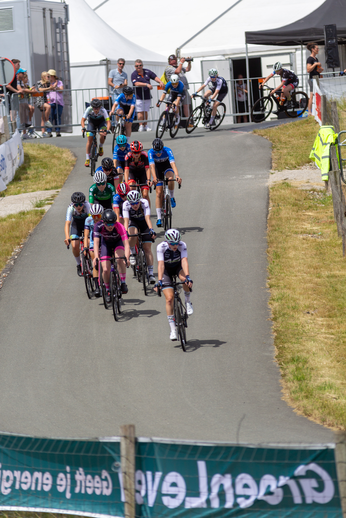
column 247, row 78
column 301, row 64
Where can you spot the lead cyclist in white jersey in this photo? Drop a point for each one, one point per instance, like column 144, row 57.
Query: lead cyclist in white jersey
column 217, row 88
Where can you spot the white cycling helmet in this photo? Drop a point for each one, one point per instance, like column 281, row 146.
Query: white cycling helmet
column 213, row 72
column 100, row 177
column 172, row 236
column 96, row 209
column 133, row 196
column 174, row 78
column 277, row 66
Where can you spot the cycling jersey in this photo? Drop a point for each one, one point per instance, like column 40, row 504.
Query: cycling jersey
column 102, row 197
column 219, row 84
column 142, row 161
column 120, row 154
column 89, row 225
column 118, row 204
column 160, row 156
column 110, row 239
column 111, row 175
column 73, row 214
column 95, row 117
column 122, row 101
column 288, row 76
column 171, row 258
column 177, row 89
column 138, row 214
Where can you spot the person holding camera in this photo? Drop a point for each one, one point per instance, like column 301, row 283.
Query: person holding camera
column 175, row 68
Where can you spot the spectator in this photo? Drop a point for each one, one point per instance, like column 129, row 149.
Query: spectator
column 26, row 110
column 174, row 68
column 141, row 80
column 314, row 68
column 43, row 86
column 11, row 88
column 117, row 79
column 56, row 100
column 241, row 98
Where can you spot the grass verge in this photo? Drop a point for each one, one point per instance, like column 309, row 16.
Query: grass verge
column 307, row 281
column 45, row 168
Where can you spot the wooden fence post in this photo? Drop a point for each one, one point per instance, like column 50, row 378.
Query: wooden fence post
column 128, row 459
column 340, row 459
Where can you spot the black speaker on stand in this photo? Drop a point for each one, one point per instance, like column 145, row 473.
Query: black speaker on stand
column 331, row 46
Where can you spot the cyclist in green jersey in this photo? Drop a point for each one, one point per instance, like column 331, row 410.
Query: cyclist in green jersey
column 102, row 192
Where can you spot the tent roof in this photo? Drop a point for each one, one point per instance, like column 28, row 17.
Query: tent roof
column 309, row 28
column 92, row 39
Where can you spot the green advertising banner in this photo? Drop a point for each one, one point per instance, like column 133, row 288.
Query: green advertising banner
column 185, row 480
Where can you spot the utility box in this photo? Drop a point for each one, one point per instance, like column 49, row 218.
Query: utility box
column 35, row 31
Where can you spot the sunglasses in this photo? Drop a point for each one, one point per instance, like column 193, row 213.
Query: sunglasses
column 213, row 77
column 138, row 66
column 174, row 244
column 101, row 183
column 78, row 204
column 134, row 203
column 96, row 216
column 136, row 153
column 109, row 224
column 121, row 64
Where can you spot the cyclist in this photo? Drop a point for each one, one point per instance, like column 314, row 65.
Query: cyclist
column 110, row 238
column 98, row 119
column 125, row 105
column 107, row 167
column 162, row 163
column 137, row 169
column 102, row 192
column 218, row 90
column 121, row 149
column 176, row 94
column 172, row 260
column 122, row 191
column 96, row 211
column 289, row 81
column 77, row 213
column 136, row 214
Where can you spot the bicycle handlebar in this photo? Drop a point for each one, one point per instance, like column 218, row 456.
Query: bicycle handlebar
column 141, row 185
column 166, row 180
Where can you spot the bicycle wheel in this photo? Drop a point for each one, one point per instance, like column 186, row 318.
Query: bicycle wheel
column 173, row 130
column 262, row 109
column 144, row 271
column 118, row 283
column 179, row 321
column 103, row 289
column 297, row 105
column 88, row 276
column 114, row 295
column 93, row 158
column 167, row 213
column 114, row 137
column 194, row 119
column 161, row 125
column 220, row 115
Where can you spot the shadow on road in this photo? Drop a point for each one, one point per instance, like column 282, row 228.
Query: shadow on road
column 185, row 230
column 129, row 314
column 193, row 345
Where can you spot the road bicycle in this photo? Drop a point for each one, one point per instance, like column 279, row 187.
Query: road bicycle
column 140, row 269
column 264, row 105
column 203, row 111
column 94, row 151
column 87, row 270
column 114, row 286
column 166, row 204
column 180, row 314
column 118, row 129
column 169, row 120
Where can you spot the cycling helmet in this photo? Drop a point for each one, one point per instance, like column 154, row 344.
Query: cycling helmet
column 107, row 164
column 78, row 197
column 213, row 72
column 96, row 209
column 174, row 78
column 96, row 103
column 109, row 216
column 123, row 189
column 136, row 146
column 172, row 236
column 100, row 177
column 277, row 66
column 127, row 90
column 133, row 196
column 121, row 140
column 157, row 144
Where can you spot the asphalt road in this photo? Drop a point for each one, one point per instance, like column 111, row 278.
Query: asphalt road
column 68, row 370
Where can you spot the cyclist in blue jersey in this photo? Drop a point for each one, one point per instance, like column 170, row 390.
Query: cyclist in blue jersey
column 77, row 213
column 218, row 90
column 289, row 81
column 97, row 119
column 162, row 164
column 96, row 211
column 113, row 175
column 176, row 94
column 122, row 191
column 125, row 105
column 120, row 151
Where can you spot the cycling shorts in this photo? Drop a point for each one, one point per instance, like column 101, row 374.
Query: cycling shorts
column 167, row 278
column 161, row 169
column 139, row 176
column 174, row 95
column 222, row 94
column 107, row 249
column 294, row 85
column 94, row 126
column 121, row 163
column 126, row 109
column 106, row 204
column 77, row 228
column 142, row 226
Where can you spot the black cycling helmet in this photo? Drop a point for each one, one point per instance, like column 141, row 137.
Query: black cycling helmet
column 78, row 197
column 157, row 144
column 107, row 164
column 109, row 216
column 127, row 90
column 96, row 103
